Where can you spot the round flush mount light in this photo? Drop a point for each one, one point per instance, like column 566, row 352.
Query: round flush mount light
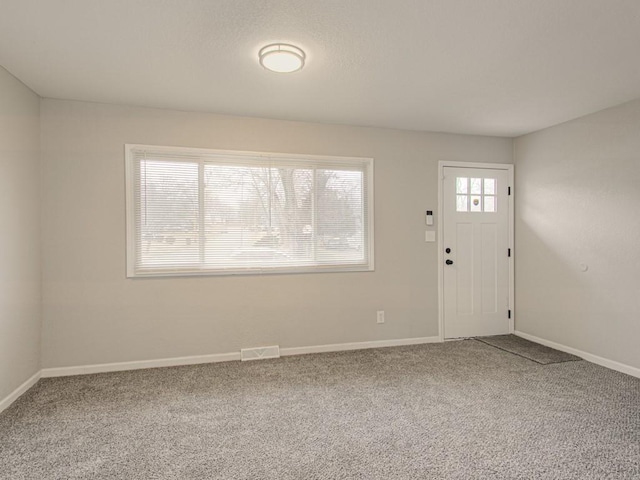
column 282, row 57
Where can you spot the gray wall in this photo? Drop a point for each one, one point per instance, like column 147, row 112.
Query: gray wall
column 93, row 314
column 578, row 203
column 19, row 234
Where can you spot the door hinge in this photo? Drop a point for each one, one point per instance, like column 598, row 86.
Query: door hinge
column 508, row 252
column 509, row 190
column 508, row 313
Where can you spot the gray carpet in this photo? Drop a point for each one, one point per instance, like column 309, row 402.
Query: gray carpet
column 457, row 410
column 533, row 351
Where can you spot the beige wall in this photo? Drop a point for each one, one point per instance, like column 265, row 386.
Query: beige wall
column 93, row 314
column 578, row 203
column 19, row 234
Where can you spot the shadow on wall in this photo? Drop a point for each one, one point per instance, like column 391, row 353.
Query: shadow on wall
column 577, row 247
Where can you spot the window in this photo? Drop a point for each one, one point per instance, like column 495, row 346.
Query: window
column 204, row 212
column 475, row 194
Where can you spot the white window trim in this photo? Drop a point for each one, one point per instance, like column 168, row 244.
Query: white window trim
column 130, row 212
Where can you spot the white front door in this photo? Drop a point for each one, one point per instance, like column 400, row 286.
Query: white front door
column 476, row 251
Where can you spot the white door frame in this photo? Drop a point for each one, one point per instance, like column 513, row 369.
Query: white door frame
column 511, row 229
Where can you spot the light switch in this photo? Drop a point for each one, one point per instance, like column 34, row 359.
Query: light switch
column 430, row 236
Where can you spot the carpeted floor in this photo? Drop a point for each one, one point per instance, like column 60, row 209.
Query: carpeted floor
column 457, row 410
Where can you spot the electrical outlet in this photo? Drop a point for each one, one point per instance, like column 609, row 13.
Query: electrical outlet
column 380, row 316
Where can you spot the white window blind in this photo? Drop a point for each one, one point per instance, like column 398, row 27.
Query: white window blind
column 196, row 211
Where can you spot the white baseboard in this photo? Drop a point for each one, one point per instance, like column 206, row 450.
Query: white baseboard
column 13, row 396
column 138, row 365
column 605, row 362
column 227, row 357
column 233, row 356
column 341, row 347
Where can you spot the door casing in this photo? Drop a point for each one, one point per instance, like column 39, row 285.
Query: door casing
column 440, row 225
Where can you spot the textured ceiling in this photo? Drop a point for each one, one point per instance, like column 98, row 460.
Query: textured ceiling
column 494, row 67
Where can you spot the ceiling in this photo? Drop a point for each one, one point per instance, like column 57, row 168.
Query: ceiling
column 490, row 67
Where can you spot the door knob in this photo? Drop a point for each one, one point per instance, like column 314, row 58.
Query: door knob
column 449, row 262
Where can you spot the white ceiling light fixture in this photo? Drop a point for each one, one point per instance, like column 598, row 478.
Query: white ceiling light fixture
column 282, row 57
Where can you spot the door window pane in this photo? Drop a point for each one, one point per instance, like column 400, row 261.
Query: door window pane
column 476, row 203
column 489, row 186
column 489, row 203
column 461, row 203
column 461, row 185
column 476, row 186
